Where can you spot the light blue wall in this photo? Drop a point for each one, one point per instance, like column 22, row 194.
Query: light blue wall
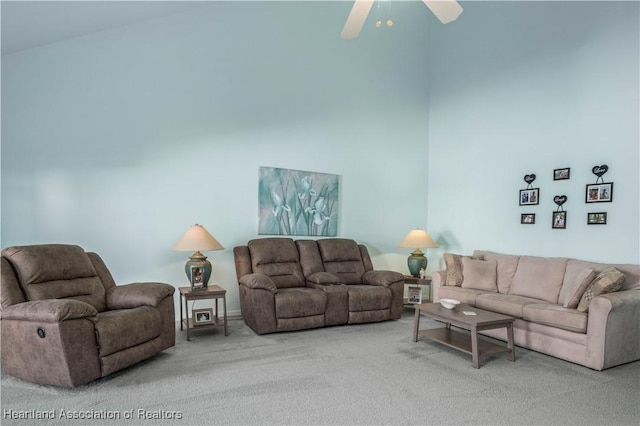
column 121, row 140
column 529, row 87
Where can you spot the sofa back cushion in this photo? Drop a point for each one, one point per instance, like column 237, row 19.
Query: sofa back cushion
column 539, row 278
column 56, row 271
column 279, row 259
column 343, row 258
column 631, row 272
column 506, row 267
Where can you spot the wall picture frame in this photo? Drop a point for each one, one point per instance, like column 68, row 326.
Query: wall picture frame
column 597, row 218
column 559, row 220
column 414, row 295
column 202, row 316
column 197, row 278
column 529, row 197
column 562, row 174
column 528, row 218
column 599, row 192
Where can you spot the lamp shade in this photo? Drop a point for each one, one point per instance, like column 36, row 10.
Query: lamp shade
column 197, row 238
column 418, row 238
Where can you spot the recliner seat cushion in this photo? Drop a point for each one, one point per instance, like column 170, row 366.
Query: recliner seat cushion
column 125, row 328
column 299, row 302
column 368, row 298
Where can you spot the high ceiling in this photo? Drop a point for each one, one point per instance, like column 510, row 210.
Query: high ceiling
column 27, row 24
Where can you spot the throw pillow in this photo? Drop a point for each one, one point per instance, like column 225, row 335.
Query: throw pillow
column 453, row 263
column 576, row 289
column 479, row 274
column 607, row 281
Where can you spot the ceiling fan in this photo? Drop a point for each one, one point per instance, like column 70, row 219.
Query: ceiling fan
column 445, row 10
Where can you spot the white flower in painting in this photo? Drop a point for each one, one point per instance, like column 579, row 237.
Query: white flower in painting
column 306, row 188
column 278, row 204
column 319, row 217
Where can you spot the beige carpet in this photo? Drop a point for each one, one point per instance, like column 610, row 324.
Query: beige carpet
column 347, row 375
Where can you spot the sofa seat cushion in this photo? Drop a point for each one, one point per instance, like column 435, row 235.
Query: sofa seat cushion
column 539, row 278
column 506, row 304
column 124, row 328
column 556, row 316
column 300, row 302
column 465, row 295
column 368, row 298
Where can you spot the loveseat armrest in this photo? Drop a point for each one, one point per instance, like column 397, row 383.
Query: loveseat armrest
column 382, row 278
column 134, row 295
column 438, row 279
column 322, row 278
column 258, row 281
column 613, row 329
column 49, row 311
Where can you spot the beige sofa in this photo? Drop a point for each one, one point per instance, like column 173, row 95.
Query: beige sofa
column 538, row 292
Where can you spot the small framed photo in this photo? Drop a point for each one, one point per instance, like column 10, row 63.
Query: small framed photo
column 561, row 174
column 202, row 316
column 599, row 218
column 559, row 220
column 528, row 218
column 599, row 193
column 197, row 278
column 529, row 197
column 415, row 295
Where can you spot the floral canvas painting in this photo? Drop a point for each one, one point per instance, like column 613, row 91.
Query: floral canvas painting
column 295, row 202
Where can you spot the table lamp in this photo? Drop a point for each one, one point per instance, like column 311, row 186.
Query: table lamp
column 415, row 239
column 195, row 239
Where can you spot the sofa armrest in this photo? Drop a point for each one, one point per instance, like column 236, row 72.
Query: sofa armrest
column 322, row 278
column 613, row 329
column 138, row 294
column 382, row 278
column 49, row 311
column 438, row 279
column 258, row 281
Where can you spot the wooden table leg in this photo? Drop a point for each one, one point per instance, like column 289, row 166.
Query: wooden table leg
column 416, row 324
column 181, row 296
column 224, row 306
column 474, row 347
column 510, row 345
column 186, row 310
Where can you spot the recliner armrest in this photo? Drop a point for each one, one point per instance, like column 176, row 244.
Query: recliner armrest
column 138, row 294
column 323, row 278
column 382, row 278
column 50, row 311
column 258, row 281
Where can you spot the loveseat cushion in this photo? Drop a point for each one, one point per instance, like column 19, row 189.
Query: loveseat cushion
column 539, row 278
column 277, row 258
column 506, row 268
column 556, row 316
column 368, row 298
column 505, row 303
column 299, row 302
column 342, row 258
column 479, row 274
column 125, row 328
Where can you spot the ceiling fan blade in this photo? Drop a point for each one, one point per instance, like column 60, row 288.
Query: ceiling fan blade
column 356, row 18
column 445, row 10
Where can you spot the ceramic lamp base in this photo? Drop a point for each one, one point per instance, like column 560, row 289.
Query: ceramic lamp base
column 415, row 263
column 198, row 270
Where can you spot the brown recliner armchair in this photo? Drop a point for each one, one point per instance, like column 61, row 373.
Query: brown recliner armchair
column 65, row 322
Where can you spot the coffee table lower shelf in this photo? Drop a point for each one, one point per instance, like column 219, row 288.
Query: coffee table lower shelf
column 462, row 341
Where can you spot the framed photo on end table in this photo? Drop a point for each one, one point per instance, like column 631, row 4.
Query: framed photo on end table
column 414, row 295
column 202, row 316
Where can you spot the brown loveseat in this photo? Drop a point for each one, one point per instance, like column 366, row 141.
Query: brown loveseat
column 290, row 285
column 65, row 322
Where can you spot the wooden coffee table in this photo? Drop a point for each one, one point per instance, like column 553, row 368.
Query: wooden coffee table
column 483, row 320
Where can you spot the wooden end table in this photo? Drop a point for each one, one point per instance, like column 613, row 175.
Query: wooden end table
column 483, row 320
column 212, row 292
